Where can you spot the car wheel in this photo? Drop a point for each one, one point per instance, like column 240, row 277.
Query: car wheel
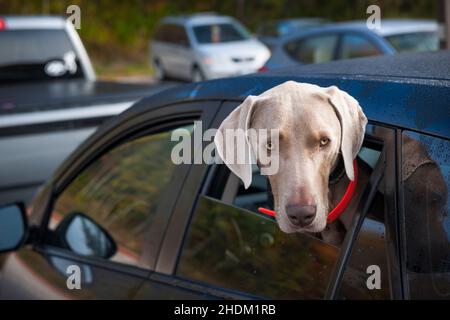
column 160, row 74
column 197, row 75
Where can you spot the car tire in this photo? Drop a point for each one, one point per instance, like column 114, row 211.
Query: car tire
column 160, row 74
column 197, row 75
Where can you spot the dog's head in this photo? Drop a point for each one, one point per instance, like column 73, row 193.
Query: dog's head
column 313, row 125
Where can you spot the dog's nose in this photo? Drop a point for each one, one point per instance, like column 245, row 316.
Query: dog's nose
column 301, row 215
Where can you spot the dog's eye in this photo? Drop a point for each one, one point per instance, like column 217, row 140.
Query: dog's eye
column 269, row 146
column 324, row 142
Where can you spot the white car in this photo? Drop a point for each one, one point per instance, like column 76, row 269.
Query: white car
column 205, row 46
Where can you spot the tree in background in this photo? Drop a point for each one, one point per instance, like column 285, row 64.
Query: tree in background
column 116, row 32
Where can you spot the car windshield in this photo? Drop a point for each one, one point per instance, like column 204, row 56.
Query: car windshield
column 28, row 55
column 221, row 32
column 415, row 42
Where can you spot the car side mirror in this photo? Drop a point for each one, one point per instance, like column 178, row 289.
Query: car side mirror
column 13, row 227
column 82, row 235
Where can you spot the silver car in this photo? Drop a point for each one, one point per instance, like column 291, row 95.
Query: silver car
column 205, row 46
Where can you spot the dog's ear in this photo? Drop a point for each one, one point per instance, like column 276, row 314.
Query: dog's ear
column 353, row 125
column 232, row 141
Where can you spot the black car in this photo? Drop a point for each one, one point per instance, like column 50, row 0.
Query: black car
column 131, row 224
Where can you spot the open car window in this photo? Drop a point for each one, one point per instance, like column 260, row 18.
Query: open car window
column 231, row 245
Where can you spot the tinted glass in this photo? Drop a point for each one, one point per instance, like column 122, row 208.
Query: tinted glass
column 217, row 33
column 314, row 49
column 415, row 42
column 354, row 46
column 426, row 179
column 369, row 250
column 28, row 55
column 12, row 228
column 121, row 192
column 236, row 249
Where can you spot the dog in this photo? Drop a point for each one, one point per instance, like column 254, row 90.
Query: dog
column 317, row 127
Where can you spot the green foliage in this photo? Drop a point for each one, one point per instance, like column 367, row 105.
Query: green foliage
column 116, row 32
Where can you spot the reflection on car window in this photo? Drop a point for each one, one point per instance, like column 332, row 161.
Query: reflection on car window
column 120, row 191
column 415, row 42
column 354, row 46
column 244, row 251
column 314, row 49
column 369, row 249
column 426, row 178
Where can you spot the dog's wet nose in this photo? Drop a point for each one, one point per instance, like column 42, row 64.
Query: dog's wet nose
column 301, row 215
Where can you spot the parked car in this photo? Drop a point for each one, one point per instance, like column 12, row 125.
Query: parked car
column 269, row 32
column 204, row 46
column 354, row 40
column 138, row 226
column 50, row 100
column 38, row 48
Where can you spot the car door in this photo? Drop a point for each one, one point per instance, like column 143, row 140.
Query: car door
column 223, row 248
column 107, row 213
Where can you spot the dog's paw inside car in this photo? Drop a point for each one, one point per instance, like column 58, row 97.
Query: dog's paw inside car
column 311, row 133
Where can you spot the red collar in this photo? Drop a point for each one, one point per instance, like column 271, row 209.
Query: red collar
column 340, row 207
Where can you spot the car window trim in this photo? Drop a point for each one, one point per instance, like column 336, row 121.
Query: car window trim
column 56, row 194
column 352, row 233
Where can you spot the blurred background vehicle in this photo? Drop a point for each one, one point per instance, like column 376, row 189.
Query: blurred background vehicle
column 354, row 40
column 50, row 100
column 41, row 48
column 269, row 32
column 204, row 46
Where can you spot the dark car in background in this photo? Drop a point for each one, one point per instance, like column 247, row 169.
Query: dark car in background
column 140, row 227
column 354, row 39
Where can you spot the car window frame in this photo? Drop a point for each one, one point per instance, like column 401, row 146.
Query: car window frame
column 141, row 124
column 200, row 180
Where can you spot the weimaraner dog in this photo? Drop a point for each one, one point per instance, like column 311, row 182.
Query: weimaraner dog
column 316, row 125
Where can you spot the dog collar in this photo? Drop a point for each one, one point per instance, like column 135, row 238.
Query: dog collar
column 340, row 207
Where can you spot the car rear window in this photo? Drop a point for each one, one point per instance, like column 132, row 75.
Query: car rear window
column 415, row 42
column 37, row 54
column 217, row 33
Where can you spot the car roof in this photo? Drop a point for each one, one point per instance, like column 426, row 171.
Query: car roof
column 390, row 27
column 409, row 91
column 294, row 21
column 33, row 22
column 198, row 19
